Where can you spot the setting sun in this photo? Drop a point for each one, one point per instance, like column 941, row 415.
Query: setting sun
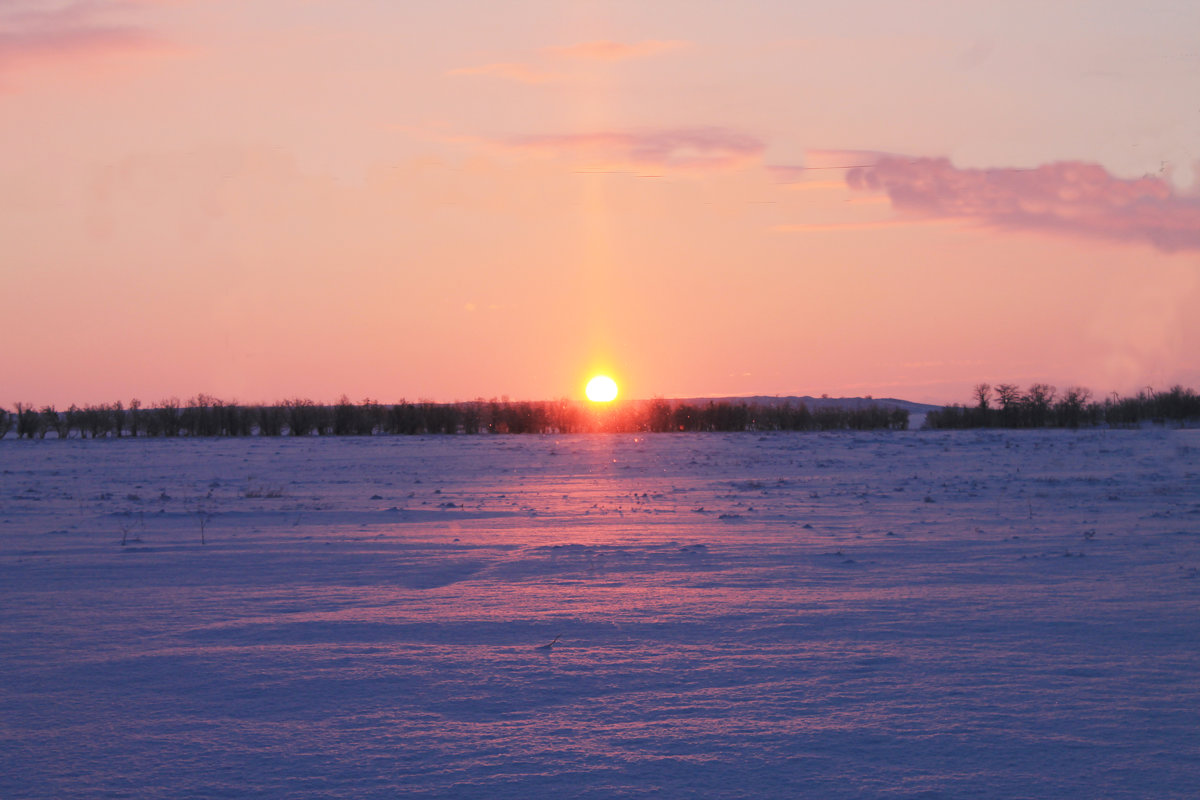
column 601, row 389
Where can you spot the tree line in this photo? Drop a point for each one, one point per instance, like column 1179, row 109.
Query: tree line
column 1043, row 406
column 207, row 416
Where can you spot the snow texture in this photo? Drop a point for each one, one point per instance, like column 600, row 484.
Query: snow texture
column 895, row 615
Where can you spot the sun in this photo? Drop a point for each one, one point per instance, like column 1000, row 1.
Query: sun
column 601, row 389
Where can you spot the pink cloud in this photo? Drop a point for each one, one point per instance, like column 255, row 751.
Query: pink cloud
column 678, row 148
column 1071, row 198
column 823, row 160
column 606, row 50
column 31, row 33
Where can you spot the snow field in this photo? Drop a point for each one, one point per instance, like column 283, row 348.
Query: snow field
column 906, row 614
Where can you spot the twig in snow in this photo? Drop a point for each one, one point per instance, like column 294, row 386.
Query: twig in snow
column 203, row 517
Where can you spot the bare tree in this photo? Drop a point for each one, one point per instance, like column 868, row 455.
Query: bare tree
column 983, row 393
column 1008, row 395
column 1037, row 403
column 135, row 417
column 116, row 414
column 27, row 421
column 48, row 421
column 1070, row 410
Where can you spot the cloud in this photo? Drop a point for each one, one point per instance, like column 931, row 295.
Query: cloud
column 44, row 31
column 817, row 162
column 1072, row 198
column 606, row 50
column 676, row 148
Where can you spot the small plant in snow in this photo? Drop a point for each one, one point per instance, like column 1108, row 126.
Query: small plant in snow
column 125, row 525
column 203, row 517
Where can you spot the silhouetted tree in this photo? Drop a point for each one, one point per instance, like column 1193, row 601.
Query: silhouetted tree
column 565, row 416
column 116, row 415
column 271, row 420
column 685, row 417
column 27, row 421
column 48, row 420
column 1070, row 410
column 658, row 416
column 59, row 423
column 1177, row 404
column 472, row 418
column 208, row 416
column 167, row 417
column 136, row 423
column 301, row 416
column 202, row 416
column 983, row 394
column 1037, row 403
column 1008, row 395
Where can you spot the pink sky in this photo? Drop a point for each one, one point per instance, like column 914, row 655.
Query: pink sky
column 265, row 199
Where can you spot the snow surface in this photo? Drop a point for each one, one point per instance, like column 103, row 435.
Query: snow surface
column 905, row 614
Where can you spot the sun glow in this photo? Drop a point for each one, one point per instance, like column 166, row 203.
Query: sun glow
column 601, row 389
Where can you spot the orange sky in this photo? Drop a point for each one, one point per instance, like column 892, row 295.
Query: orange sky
column 267, row 199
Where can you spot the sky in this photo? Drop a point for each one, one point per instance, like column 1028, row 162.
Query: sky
column 268, row 199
